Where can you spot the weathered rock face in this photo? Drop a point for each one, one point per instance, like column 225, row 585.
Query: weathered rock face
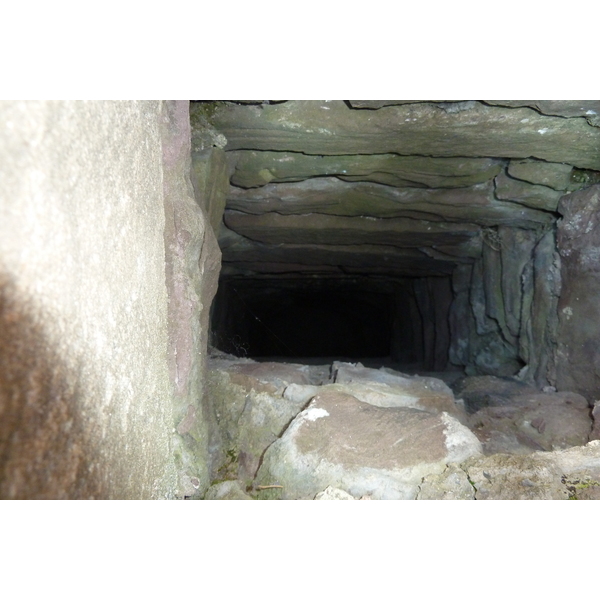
column 362, row 449
column 345, row 431
column 251, row 410
column 566, row 474
column 332, row 128
column 192, row 259
column 578, row 352
column 447, row 208
column 426, row 236
column 101, row 337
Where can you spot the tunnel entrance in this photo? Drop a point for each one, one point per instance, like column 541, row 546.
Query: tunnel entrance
column 403, row 321
column 421, row 232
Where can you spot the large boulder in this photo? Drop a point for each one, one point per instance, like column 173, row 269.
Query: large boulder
column 251, row 410
column 362, row 449
column 509, row 416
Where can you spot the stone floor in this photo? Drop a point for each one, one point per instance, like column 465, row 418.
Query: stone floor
column 342, row 430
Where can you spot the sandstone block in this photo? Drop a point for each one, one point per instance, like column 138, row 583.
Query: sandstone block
column 332, row 128
column 364, row 450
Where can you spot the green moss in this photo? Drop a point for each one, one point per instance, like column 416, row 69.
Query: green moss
column 582, row 178
column 202, row 111
column 472, row 483
column 268, row 494
column 576, row 485
column 229, row 470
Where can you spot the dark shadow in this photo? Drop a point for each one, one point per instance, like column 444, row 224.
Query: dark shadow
column 43, row 453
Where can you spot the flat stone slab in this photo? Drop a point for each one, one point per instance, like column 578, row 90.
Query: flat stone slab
column 362, row 449
column 553, row 175
column 527, row 194
column 329, row 195
column 333, row 128
column 312, row 228
column 255, row 169
column 247, row 254
column 386, row 388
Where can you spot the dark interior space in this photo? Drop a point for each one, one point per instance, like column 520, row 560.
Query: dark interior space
column 402, row 321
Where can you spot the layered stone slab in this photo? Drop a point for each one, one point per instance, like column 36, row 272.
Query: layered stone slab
column 314, row 228
column 590, row 109
column 329, row 128
column 554, row 175
column 527, row 194
column 254, row 169
column 241, row 251
column 362, row 449
column 328, row 195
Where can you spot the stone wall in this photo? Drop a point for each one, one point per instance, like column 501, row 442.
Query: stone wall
column 578, row 344
column 461, row 197
column 503, row 316
column 99, row 383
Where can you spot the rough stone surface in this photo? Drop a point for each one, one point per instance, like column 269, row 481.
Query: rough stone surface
column 362, row 449
column 251, row 410
column 486, row 390
column 192, row 261
column 595, row 434
column 506, row 477
column 210, row 178
column 86, row 405
column 533, row 422
column 451, row 484
column 327, row 128
column 227, row 490
column 573, row 473
column 331, row 493
column 387, row 388
column 359, row 190
column 578, row 351
column 355, row 440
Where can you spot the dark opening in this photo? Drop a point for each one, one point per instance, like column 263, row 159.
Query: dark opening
column 401, row 321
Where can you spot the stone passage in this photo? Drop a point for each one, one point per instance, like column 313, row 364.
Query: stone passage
column 364, row 243
column 423, row 233
column 451, row 240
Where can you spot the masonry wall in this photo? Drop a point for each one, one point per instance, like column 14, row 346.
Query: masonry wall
column 88, row 405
